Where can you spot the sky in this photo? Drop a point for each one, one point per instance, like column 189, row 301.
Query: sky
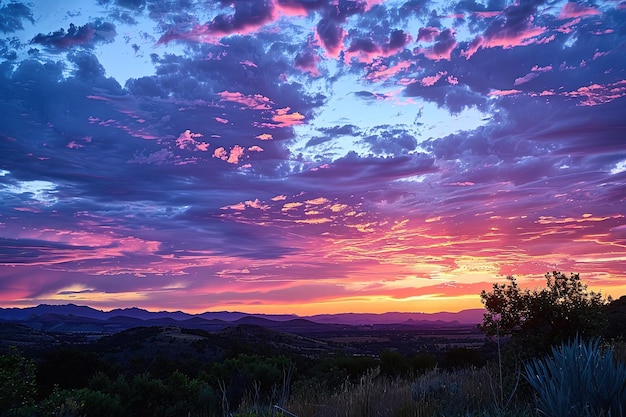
column 308, row 156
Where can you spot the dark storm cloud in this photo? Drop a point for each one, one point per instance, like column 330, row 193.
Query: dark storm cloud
column 247, row 14
column 391, row 142
column 331, row 34
column 369, row 48
column 30, row 250
column 87, row 35
column 12, row 15
column 131, row 4
column 363, row 45
column 307, row 60
column 87, row 65
column 359, row 171
column 453, row 97
column 341, row 130
column 515, row 19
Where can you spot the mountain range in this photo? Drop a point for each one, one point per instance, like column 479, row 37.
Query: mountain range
column 74, row 319
column 472, row 316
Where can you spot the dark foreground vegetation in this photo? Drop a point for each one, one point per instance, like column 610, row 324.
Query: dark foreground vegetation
column 555, row 351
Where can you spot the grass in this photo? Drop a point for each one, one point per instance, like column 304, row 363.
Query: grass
column 465, row 392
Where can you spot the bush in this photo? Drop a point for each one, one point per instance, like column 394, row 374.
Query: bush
column 539, row 319
column 579, row 379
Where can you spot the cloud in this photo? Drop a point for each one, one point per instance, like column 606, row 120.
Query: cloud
column 330, row 34
column 445, row 43
column 293, row 140
column 573, row 10
column 247, row 17
column 307, row 61
column 12, row 15
column 514, row 27
column 366, row 50
column 87, row 35
column 256, row 101
column 526, row 78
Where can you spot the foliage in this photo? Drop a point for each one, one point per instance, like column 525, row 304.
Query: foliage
column 542, row 318
column 393, row 363
column 579, row 379
column 69, row 368
column 616, row 316
column 462, row 357
column 17, row 383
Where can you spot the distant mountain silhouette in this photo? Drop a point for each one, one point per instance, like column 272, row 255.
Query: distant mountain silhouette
column 472, row 316
column 44, row 316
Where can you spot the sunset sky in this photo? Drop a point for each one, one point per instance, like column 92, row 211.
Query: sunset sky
column 307, row 156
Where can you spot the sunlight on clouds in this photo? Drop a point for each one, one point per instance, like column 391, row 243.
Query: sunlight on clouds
column 619, row 168
column 96, row 298
column 42, row 192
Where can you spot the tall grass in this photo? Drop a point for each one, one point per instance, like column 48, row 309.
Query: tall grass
column 464, row 392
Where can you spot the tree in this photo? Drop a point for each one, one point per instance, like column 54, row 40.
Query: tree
column 539, row 319
column 17, row 383
column 616, row 316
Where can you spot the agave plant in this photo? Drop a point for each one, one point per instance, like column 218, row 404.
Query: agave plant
column 579, row 379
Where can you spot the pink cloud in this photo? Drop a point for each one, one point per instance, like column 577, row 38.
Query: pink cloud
column 291, row 9
column 74, row 145
column 535, row 72
column 241, row 22
column 427, row 34
column 381, row 72
column 256, row 101
column 255, row 148
column 445, row 43
column 599, row 54
column 264, row 136
column 282, row 118
column 502, row 93
column 332, row 39
column 526, row 78
column 236, row 153
column 221, row 120
column 307, row 62
column 596, row 94
column 187, row 140
column 487, row 14
column 431, row 80
column 203, row 147
column 504, row 37
column 220, row 153
column 567, row 26
column 572, row 10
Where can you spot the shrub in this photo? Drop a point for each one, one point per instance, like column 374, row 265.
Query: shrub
column 579, row 379
column 539, row 319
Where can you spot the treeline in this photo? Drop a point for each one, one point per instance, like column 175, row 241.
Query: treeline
column 73, row 382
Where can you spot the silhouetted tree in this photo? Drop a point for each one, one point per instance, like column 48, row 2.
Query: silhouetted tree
column 17, row 383
column 538, row 319
column 616, row 315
